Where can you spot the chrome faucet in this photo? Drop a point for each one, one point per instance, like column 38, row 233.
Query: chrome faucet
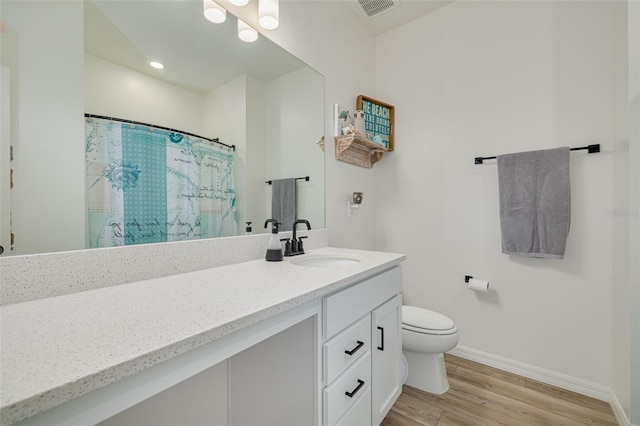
column 296, row 243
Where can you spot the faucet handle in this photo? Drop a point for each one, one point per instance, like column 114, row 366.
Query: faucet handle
column 300, row 246
column 287, row 246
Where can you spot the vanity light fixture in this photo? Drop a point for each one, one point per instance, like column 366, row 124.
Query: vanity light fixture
column 156, row 65
column 246, row 33
column 239, row 2
column 214, row 12
column 269, row 13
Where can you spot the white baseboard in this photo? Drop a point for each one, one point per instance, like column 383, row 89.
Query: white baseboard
column 536, row 373
column 621, row 416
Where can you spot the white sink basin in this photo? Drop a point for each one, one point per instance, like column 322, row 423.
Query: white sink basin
column 326, row 260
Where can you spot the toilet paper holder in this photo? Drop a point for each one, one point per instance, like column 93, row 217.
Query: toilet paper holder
column 477, row 285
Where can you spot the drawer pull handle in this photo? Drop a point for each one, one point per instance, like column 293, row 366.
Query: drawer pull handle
column 355, row 391
column 354, row 350
column 381, row 347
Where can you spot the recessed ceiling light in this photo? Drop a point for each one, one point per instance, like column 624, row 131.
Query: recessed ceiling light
column 156, row 65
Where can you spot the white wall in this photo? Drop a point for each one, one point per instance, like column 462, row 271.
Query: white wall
column 5, row 157
column 291, row 136
column 626, row 284
column 116, row 91
column 256, row 172
column 485, row 78
column 620, row 330
column 328, row 37
column 225, row 112
column 34, row 61
column 634, row 204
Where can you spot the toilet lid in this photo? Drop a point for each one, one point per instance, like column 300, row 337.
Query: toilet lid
column 425, row 319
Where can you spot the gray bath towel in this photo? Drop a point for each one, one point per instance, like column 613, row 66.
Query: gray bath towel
column 283, row 202
column 535, row 202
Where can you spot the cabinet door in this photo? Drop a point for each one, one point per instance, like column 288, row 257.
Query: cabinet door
column 274, row 383
column 199, row 400
column 387, row 350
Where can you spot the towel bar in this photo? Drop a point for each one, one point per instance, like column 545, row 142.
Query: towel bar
column 590, row 148
column 305, row 178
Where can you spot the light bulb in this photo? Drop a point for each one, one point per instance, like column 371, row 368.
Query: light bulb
column 239, row 2
column 246, row 33
column 156, row 65
column 269, row 13
column 214, row 12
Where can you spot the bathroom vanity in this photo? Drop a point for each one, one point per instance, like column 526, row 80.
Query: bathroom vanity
column 314, row 340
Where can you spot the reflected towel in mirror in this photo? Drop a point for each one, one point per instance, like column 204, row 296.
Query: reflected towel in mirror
column 283, row 202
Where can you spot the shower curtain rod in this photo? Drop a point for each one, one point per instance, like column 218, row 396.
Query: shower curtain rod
column 305, row 178
column 214, row 140
column 591, row 148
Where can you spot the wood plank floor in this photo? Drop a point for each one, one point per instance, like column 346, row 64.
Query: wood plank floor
column 481, row 395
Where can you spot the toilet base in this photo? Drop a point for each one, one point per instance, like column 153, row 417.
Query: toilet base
column 427, row 372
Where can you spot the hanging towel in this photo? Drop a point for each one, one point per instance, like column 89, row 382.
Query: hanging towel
column 535, row 202
column 283, row 202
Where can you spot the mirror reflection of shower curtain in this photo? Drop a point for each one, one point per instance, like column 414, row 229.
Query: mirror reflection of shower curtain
column 147, row 185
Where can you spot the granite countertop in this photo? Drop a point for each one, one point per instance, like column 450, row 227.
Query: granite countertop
column 56, row 349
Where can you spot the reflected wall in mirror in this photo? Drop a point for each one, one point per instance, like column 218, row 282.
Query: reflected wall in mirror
column 62, row 59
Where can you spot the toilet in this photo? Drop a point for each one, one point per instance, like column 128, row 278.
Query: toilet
column 426, row 336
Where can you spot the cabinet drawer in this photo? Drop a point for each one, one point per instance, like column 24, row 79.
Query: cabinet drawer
column 356, row 381
column 347, row 306
column 344, row 349
column 360, row 412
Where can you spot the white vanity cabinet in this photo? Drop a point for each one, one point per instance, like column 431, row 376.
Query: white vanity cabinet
column 270, row 383
column 361, row 351
column 239, row 345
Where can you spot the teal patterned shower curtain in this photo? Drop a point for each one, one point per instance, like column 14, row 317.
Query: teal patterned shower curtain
column 148, row 185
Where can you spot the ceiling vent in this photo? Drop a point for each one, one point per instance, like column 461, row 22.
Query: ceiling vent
column 373, row 8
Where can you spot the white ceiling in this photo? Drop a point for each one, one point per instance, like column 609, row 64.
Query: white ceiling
column 406, row 11
column 196, row 53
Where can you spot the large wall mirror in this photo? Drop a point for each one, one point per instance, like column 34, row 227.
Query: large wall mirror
column 64, row 59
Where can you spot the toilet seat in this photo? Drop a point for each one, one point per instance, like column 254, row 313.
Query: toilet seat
column 424, row 321
column 429, row 331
